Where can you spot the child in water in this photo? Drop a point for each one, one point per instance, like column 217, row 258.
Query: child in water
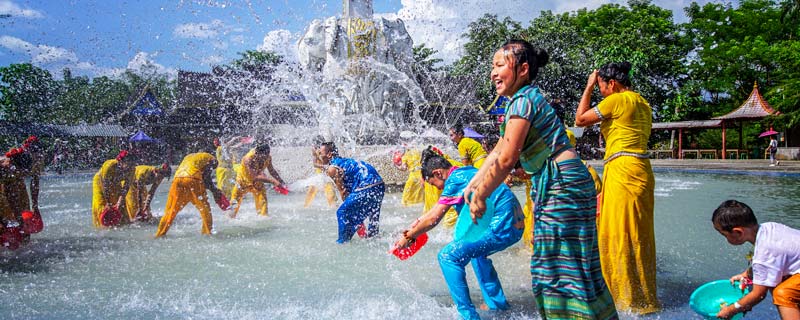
column 503, row 230
column 361, row 188
column 776, row 259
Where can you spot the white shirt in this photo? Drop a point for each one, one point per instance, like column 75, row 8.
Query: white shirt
column 776, row 254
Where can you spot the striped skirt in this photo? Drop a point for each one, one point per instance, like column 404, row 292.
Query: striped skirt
column 565, row 266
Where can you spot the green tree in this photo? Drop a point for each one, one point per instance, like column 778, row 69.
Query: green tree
column 485, row 35
column 644, row 35
column 423, row 59
column 28, row 93
column 736, row 47
column 256, row 59
column 790, row 12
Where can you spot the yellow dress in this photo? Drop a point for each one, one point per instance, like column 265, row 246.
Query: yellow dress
column 143, row 175
column 527, row 210
column 107, row 187
column 188, row 186
column 625, row 230
column 413, row 191
column 312, row 192
column 226, row 176
column 472, row 151
column 245, row 185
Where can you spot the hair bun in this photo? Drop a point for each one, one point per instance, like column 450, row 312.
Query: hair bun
column 625, row 67
column 542, row 57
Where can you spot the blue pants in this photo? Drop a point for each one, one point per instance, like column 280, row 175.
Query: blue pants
column 357, row 207
column 455, row 256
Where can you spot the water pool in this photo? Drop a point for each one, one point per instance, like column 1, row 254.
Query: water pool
column 288, row 266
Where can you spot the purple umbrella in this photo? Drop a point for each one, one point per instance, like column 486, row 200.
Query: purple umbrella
column 469, row 133
column 767, row 133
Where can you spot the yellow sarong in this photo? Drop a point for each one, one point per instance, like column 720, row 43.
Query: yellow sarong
column 625, row 230
column 527, row 210
column 626, row 235
column 413, row 191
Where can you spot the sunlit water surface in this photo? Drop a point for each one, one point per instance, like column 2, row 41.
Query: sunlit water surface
column 288, row 266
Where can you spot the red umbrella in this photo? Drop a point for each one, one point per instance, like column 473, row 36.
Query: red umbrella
column 767, row 133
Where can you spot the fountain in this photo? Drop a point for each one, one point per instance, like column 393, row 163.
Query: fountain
column 362, row 66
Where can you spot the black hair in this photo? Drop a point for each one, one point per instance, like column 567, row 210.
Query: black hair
column 432, row 160
column 317, row 141
column 22, row 161
column 331, row 146
column 524, row 52
column 617, row 71
column 262, row 148
column 731, row 214
column 458, row 128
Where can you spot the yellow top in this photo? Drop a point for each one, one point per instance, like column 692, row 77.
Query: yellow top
column 144, row 174
column 109, row 169
column 571, row 136
column 243, row 177
column 627, row 119
column 193, row 165
column 413, row 160
column 111, row 176
column 471, row 150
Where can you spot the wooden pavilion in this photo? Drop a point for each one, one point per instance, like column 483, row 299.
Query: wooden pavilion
column 753, row 108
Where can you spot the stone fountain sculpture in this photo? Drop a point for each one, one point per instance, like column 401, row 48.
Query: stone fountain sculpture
column 362, row 68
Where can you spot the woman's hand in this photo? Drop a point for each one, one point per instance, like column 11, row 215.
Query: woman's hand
column 592, row 81
column 477, row 207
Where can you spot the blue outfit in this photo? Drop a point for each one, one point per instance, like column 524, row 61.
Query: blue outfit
column 365, row 187
column 500, row 233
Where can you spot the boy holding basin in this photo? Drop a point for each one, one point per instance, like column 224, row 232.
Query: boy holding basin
column 776, row 259
column 492, row 233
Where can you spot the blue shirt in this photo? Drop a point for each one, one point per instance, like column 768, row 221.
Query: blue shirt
column 502, row 208
column 357, row 174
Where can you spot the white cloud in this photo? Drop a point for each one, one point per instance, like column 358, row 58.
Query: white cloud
column 8, row 8
column 200, row 30
column 212, row 60
column 40, row 55
column 281, row 42
column 144, row 63
column 439, row 24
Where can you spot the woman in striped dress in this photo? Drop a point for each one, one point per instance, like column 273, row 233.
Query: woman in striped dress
column 567, row 279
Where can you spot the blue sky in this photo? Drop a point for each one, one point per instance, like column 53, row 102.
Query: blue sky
column 105, row 37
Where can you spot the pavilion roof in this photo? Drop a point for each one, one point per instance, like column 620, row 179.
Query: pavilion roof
column 755, row 107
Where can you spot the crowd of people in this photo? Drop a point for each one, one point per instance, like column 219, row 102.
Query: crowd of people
column 591, row 239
